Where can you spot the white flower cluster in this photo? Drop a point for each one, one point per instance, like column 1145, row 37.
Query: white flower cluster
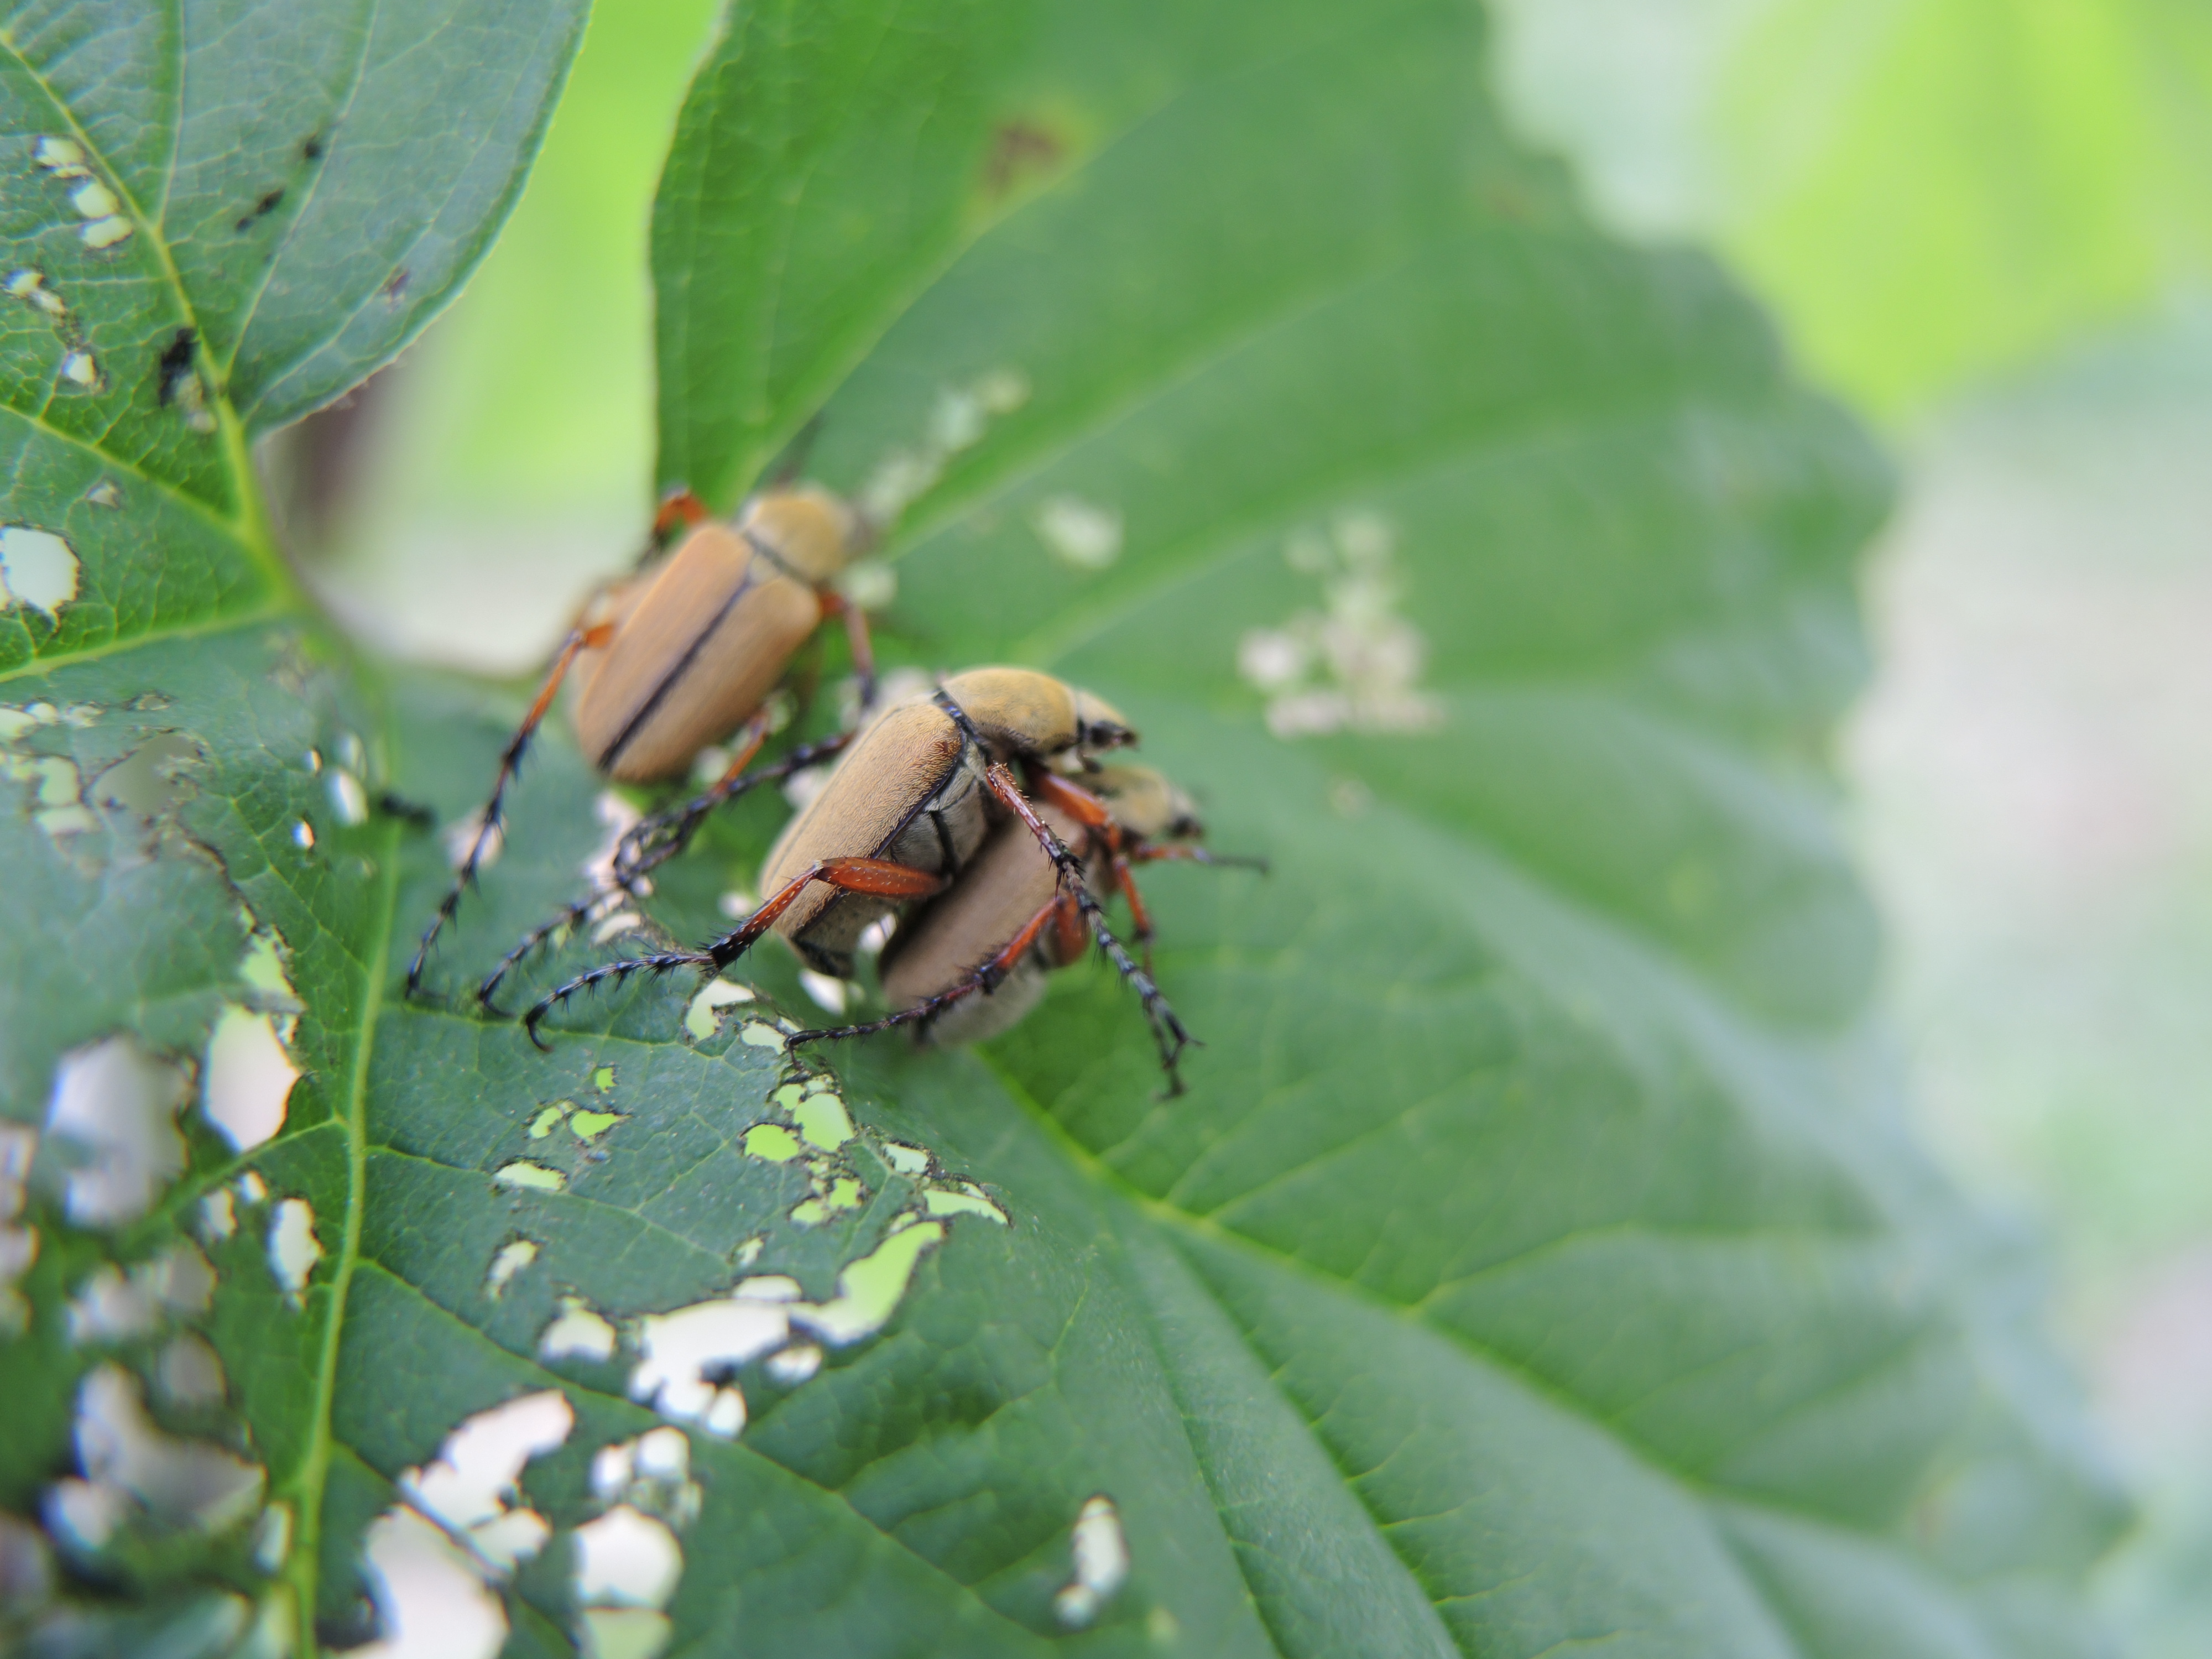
column 1354, row 666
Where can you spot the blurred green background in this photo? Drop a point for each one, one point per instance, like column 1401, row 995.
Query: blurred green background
column 1986, row 223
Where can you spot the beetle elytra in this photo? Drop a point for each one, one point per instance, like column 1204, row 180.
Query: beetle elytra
column 680, row 655
column 972, row 962
column 910, row 804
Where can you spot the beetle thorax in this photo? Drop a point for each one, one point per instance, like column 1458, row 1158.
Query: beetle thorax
column 809, row 531
column 1145, row 804
column 1022, row 714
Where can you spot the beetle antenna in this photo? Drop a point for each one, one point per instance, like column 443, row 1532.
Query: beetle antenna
column 792, row 461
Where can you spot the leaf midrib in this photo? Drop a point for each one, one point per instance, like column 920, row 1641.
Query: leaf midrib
column 304, row 1567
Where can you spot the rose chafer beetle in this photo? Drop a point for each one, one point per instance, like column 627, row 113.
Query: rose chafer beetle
column 906, row 811
column 681, row 656
column 972, row 962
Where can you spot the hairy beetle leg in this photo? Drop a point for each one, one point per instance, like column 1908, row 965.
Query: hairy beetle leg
column 986, row 978
column 878, row 877
column 617, row 971
column 510, row 762
column 1168, row 1031
column 658, row 837
column 1095, row 816
column 835, row 604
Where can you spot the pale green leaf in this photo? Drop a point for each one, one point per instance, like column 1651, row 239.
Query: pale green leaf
column 216, row 216
column 1539, row 1258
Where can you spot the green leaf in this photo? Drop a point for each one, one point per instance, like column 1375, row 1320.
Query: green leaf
column 1934, row 191
column 218, row 217
column 1539, row 1256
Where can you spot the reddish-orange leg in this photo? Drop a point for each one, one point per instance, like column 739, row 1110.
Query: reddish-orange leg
column 679, row 509
column 1095, row 816
column 1068, row 932
column 1168, row 1031
column 656, row 838
column 510, row 762
column 879, row 878
column 835, row 604
column 1140, row 919
column 987, row 978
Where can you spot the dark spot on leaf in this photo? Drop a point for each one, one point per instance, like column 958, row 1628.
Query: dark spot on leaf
column 1017, row 148
column 355, row 1626
column 312, row 150
column 176, row 365
column 407, row 811
column 263, row 208
column 395, row 285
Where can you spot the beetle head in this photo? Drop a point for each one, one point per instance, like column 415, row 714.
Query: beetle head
column 811, row 530
column 1021, row 713
column 1146, row 805
column 1098, row 725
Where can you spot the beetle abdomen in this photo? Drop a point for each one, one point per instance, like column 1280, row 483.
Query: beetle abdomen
column 698, row 654
column 1004, row 886
column 909, row 789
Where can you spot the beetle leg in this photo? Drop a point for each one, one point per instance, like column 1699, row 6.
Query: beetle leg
column 1140, row 919
column 617, row 971
column 1089, row 810
column 1168, row 1031
column 1068, row 930
column 660, row 836
column 679, row 509
column 566, row 916
column 878, row 877
column 1191, row 853
column 987, row 978
column 655, row 839
column 1078, row 804
column 835, row 604
column 510, row 762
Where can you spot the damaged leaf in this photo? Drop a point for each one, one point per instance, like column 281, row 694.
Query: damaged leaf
column 1539, row 1258
column 202, row 207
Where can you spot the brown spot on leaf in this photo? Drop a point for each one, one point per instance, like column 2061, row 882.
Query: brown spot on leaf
column 176, row 365
column 262, row 208
column 1018, row 148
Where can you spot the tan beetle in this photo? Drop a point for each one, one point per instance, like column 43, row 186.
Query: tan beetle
column 678, row 657
column 905, row 810
column 970, row 963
